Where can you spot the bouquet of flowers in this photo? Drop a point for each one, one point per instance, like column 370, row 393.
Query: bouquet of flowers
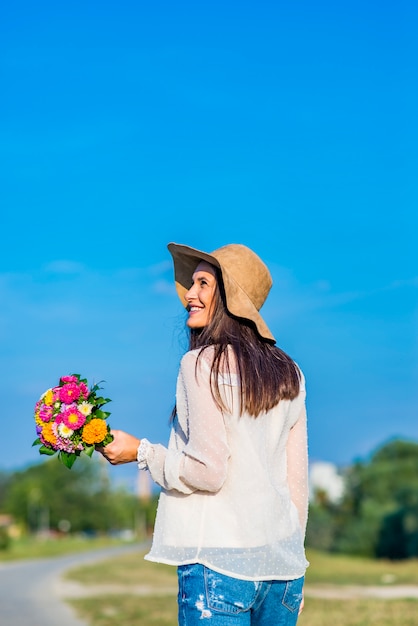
column 70, row 420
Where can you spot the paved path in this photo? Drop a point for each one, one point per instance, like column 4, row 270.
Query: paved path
column 31, row 592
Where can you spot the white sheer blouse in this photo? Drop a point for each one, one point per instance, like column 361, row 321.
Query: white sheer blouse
column 234, row 489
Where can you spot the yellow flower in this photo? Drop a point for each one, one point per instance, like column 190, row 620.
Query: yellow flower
column 48, row 397
column 48, row 434
column 95, row 431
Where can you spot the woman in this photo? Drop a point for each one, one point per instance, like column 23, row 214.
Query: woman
column 234, row 495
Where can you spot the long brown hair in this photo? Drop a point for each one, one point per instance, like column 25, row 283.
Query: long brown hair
column 266, row 374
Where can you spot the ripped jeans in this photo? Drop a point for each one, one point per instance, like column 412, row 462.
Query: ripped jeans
column 220, row 600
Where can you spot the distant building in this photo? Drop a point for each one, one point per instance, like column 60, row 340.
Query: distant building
column 144, row 486
column 325, row 478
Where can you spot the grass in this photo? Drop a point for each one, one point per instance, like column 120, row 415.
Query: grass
column 128, row 610
column 132, row 609
column 357, row 612
column 39, row 548
column 347, row 570
column 127, row 570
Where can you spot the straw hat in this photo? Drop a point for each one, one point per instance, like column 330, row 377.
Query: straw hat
column 246, row 279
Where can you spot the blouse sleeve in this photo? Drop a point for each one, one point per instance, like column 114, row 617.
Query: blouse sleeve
column 201, row 464
column 297, row 467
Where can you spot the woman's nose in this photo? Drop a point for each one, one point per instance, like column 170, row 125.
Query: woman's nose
column 190, row 294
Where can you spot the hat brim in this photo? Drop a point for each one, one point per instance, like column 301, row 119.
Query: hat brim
column 186, row 259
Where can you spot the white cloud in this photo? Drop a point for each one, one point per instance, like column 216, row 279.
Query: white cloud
column 324, row 476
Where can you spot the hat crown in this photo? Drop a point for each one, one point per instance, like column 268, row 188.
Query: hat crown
column 246, row 269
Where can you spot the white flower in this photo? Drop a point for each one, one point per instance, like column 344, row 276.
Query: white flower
column 85, row 408
column 64, row 431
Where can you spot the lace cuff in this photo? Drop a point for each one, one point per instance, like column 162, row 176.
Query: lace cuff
column 141, row 455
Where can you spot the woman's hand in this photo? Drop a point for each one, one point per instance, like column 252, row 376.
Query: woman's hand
column 122, row 449
column 302, row 604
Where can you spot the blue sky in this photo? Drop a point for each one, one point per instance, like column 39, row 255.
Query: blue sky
column 287, row 126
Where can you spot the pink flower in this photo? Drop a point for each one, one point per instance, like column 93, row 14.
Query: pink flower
column 69, row 393
column 73, row 418
column 84, row 390
column 66, row 445
column 69, row 379
column 45, row 412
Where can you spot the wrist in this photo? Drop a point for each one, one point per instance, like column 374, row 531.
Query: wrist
column 142, row 453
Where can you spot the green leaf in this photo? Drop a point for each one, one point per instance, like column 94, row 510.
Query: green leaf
column 108, row 439
column 37, row 442
column 89, row 450
column 96, row 387
column 45, row 450
column 101, row 401
column 101, row 414
column 67, row 458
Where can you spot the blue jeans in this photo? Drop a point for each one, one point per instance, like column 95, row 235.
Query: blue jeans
column 226, row 601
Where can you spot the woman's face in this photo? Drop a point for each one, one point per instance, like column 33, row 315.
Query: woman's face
column 200, row 297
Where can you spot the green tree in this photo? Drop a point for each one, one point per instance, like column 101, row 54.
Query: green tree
column 320, row 531
column 49, row 495
column 4, row 483
column 379, row 512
